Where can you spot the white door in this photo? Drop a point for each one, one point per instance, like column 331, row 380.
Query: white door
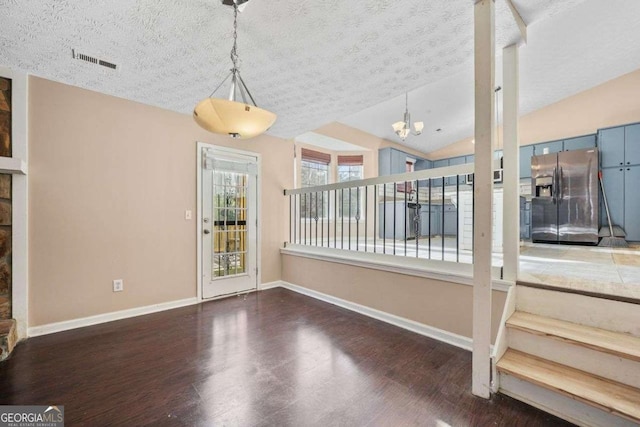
column 229, row 222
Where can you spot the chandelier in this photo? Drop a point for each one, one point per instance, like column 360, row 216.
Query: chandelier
column 403, row 128
column 238, row 115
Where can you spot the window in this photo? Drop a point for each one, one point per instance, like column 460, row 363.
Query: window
column 314, row 169
column 350, row 169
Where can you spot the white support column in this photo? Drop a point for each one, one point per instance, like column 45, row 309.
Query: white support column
column 483, row 195
column 511, row 209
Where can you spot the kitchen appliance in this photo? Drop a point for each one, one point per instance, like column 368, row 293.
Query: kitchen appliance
column 497, row 177
column 565, row 204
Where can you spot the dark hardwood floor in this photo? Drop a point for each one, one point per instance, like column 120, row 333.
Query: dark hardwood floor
column 276, row 358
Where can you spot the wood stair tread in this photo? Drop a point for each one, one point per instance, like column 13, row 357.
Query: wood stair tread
column 602, row 393
column 615, row 343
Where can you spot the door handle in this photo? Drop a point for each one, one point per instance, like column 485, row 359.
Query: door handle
column 207, row 232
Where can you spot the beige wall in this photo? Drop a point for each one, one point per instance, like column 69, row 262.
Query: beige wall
column 613, row 103
column 444, row 305
column 110, row 181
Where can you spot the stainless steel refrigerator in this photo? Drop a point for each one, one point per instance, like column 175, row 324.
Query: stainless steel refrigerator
column 565, row 205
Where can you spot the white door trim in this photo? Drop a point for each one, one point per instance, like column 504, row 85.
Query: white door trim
column 199, row 160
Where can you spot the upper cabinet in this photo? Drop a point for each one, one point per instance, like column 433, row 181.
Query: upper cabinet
column 526, row 152
column 632, row 144
column 422, row 164
column 611, row 146
column 453, row 180
column 391, row 161
column 437, row 182
column 547, row 148
column 570, row 144
column 619, row 146
column 580, row 143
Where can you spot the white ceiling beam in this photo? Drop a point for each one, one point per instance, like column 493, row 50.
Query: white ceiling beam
column 519, row 21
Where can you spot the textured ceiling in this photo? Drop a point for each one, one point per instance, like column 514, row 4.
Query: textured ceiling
column 311, row 62
column 572, row 46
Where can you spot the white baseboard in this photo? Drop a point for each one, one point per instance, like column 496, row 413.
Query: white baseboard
column 270, row 285
column 410, row 325
column 66, row 325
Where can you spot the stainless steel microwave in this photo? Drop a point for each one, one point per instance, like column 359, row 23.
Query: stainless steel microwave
column 497, row 177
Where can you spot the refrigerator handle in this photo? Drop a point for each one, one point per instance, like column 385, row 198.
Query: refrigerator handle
column 554, row 188
column 560, row 185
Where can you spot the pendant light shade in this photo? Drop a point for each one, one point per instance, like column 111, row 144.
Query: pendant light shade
column 237, row 116
column 236, row 119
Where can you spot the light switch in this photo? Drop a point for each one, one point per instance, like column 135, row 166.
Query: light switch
column 187, row 214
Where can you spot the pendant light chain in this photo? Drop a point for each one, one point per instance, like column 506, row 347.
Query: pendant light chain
column 234, row 49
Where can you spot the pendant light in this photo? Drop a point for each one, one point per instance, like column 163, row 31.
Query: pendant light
column 403, row 128
column 237, row 116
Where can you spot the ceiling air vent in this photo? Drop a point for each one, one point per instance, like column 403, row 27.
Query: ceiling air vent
column 93, row 60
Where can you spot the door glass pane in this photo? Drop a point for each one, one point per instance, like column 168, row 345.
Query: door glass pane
column 230, row 226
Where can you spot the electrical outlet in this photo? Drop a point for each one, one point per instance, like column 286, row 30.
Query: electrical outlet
column 118, row 285
column 187, row 214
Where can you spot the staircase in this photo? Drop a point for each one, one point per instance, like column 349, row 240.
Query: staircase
column 575, row 356
column 8, row 337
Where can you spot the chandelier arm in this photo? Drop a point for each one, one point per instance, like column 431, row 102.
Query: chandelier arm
column 220, row 85
column 247, row 89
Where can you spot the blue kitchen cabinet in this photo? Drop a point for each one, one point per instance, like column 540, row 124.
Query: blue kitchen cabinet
column 453, row 179
column 450, row 220
column 580, row 143
column 384, row 161
column 526, row 152
column 470, row 158
column 437, row 182
column 430, row 220
column 611, row 146
column 620, row 159
column 631, row 203
column 398, row 161
column 613, row 180
column 632, row 145
column 391, row 161
column 552, row 146
column 423, row 164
